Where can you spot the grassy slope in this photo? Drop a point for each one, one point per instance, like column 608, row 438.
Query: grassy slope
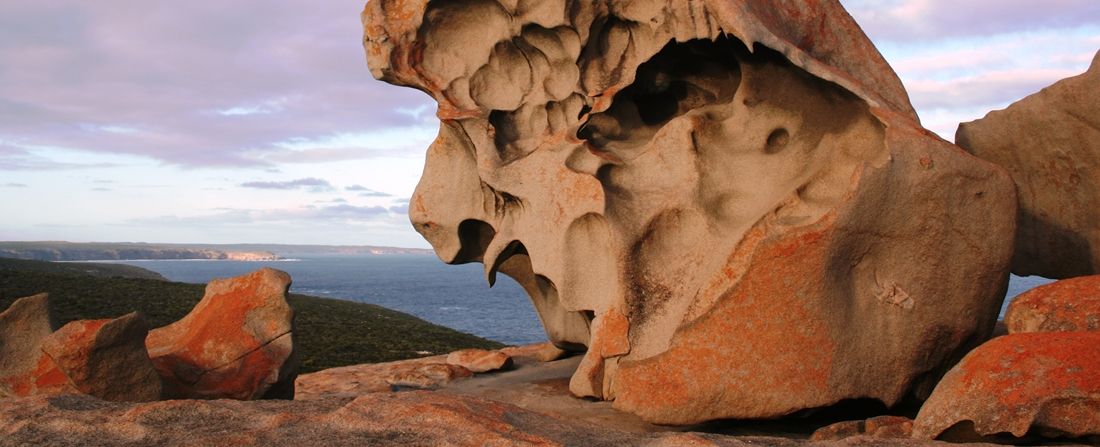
column 329, row 332
column 99, row 270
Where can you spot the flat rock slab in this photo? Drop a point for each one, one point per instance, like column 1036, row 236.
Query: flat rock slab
column 406, row 418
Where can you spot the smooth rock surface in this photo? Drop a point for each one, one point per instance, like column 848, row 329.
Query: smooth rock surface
column 106, row 358
column 1050, row 143
column 1048, row 382
column 24, row 369
column 730, row 233
column 237, row 343
column 1067, row 305
column 479, row 360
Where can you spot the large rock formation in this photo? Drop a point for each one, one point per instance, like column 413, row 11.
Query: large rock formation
column 1047, row 382
column 237, row 343
column 1050, row 143
column 24, row 369
column 1067, row 305
column 730, row 203
column 106, row 358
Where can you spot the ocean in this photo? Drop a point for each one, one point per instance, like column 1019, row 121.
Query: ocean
column 455, row 296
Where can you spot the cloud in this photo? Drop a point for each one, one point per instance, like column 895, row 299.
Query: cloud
column 367, row 192
column 202, row 85
column 312, row 184
column 101, row 189
column 339, row 213
column 15, row 185
column 18, row 157
column 989, row 88
column 923, row 20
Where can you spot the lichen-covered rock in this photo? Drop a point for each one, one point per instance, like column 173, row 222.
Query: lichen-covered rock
column 479, row 360
column 24, row 369
column 1067, row 305
column 1050, row 143
column 106, row 358
column 729, row 203
column 237, row 343
column 1049, row 382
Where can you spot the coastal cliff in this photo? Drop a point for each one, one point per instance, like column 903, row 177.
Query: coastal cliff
column 69, row 251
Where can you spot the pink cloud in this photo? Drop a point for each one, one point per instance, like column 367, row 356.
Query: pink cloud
column 71, row 71
column 921, row 20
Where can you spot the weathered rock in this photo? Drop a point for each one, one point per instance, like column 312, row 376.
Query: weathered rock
column 538, row 352
column 427, row 376
column 106, row 358
column 381, row 419
column 1049, row 382
column 880, row 427
column 356, row 380
column 24, row 369
column 479, row 360
column 1050, row 143
column 237, row 343
column 730, row 233
column 1067, row 305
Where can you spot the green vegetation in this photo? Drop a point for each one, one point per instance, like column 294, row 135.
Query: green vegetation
column 98, row 270
column 329, row 332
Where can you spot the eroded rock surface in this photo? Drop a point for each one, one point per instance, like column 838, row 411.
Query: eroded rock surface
column 1050, row 142
column 1067, row 305
column 237, row 343
column 106, row 358
column 730, row 203
column 1046, row 382
column 24, row 369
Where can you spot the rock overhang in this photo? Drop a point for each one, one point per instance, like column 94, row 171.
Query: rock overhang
column 654, row 173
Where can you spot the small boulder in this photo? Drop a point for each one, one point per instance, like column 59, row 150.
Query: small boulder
column 427, row 376
column 24, row 369
column 538, row 352
column 1047, row 381
column 237, row 343
column 1066, row 305
column 879, row 427
column 479, row 360
column 106, row 358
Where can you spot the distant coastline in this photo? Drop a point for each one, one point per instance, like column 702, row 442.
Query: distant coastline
column 137, row 251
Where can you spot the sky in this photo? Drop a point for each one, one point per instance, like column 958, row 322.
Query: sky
column 258, row 121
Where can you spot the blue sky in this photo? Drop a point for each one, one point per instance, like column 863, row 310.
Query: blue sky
column 258, row 121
